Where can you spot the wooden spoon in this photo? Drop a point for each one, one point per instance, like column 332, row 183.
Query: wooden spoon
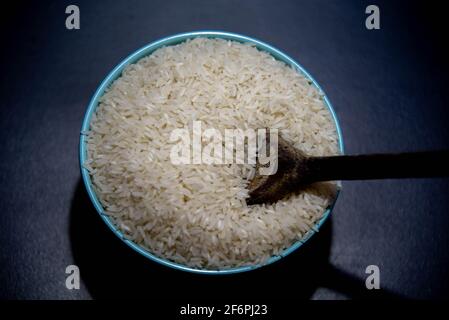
column 297, row 170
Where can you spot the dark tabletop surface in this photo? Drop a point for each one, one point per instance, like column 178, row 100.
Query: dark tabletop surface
column 389, row 90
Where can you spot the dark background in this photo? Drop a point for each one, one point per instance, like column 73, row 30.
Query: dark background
column 389, row 90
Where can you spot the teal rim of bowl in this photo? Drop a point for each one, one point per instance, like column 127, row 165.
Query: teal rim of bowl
column 147, row 50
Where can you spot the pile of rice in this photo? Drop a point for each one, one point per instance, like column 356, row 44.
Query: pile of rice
column 196, row 215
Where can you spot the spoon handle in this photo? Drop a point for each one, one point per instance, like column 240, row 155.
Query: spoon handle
column 379, row 166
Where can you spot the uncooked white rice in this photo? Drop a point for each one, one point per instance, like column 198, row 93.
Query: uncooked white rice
column 196, row 215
